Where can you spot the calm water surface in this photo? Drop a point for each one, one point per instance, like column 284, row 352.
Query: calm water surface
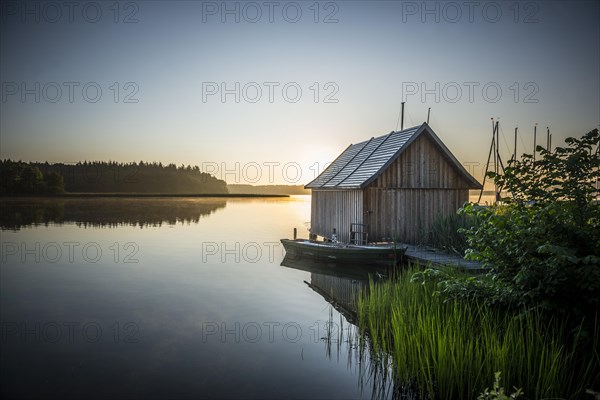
column 170, row 298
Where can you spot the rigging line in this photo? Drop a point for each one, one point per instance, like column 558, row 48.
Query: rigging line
column 505, row 141
column 522, row 142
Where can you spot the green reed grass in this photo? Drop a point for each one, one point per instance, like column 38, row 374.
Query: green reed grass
column 452, row 349
column 445, row 233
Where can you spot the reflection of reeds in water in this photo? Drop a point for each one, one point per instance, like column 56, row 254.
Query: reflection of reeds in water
column 343, row 338
column 374, row 369
column 105, row 212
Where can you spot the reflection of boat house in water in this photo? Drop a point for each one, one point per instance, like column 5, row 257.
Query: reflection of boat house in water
column 339, row 291
column 338, row 284
column 389, row 187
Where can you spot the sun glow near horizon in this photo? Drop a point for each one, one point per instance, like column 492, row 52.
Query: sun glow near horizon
column 197, row 87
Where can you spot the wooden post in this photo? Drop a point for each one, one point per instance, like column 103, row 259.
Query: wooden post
column 295, row 233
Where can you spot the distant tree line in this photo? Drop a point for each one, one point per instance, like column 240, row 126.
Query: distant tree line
column 20, row 178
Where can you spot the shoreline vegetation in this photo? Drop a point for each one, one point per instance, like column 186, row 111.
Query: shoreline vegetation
column 530, row 326
column 442, row 348
column 101, row 179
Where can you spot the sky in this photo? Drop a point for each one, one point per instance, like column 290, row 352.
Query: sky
column 271, row 91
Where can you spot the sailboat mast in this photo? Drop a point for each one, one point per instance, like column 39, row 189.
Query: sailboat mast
column 515, row 152
column 534, row 139
column 495, row 133
column 487, row 165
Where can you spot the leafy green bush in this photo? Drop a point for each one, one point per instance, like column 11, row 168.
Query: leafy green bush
column 453, row 284
column 544, row 240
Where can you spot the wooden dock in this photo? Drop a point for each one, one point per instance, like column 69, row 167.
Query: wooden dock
column 426, row 255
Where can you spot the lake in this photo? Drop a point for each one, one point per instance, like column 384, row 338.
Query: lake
column 173, row 298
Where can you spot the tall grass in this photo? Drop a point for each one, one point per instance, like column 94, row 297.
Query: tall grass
column 452, row 349
column 444, row 233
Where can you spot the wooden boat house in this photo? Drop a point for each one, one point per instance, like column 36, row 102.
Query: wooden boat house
column 391, row 187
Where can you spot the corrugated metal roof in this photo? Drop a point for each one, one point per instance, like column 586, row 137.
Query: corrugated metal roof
column 361, row 163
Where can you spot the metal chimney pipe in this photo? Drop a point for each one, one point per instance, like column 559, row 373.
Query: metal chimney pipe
column 402, row 118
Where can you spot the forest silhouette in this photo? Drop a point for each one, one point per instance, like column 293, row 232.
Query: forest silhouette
column 35, row 178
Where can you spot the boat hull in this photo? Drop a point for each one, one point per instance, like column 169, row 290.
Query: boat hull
column 337, row 253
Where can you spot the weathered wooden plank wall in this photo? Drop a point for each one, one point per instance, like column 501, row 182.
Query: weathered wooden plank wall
column 412, row 192
column 335, row 209
column 407, row 214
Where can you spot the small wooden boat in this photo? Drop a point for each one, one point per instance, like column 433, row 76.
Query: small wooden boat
column 387, row 253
